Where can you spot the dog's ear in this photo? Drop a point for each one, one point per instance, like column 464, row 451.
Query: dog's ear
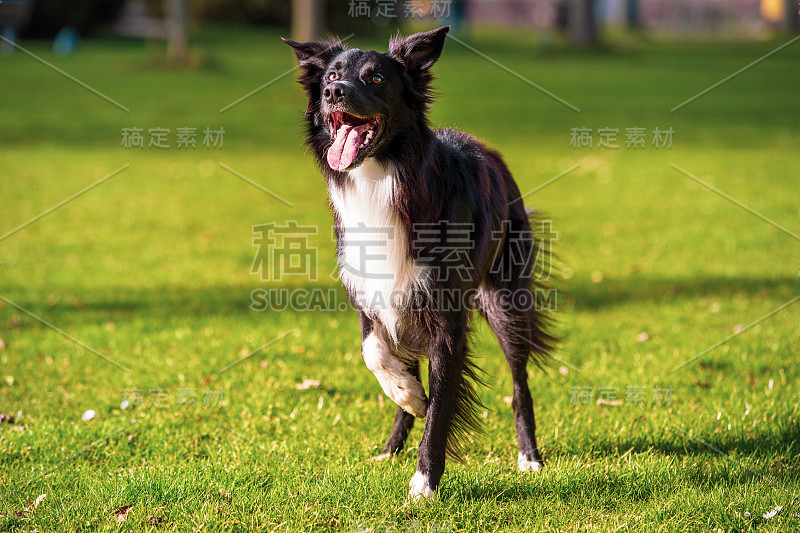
column 315, row 55
column 420, row 51
column 314, row 58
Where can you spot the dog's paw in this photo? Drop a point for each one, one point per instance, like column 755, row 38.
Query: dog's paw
column 396, row 381
column 411, row 397
column 382, row 457
column 528, row 465
column 420, row 488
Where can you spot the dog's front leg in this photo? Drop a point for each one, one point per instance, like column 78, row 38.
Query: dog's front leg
column 403, row 423
column 447, row 353
column 397, row 380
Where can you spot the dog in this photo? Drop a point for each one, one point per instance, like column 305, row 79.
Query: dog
column 430, row 226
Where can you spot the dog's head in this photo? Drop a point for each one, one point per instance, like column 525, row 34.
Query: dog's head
column 359, row 101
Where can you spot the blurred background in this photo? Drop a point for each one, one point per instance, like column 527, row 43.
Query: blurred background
column 579, row 21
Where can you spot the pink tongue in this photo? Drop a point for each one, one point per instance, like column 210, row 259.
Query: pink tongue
column 345, row 147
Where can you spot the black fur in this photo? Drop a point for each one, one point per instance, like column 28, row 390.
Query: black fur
column 441, row 176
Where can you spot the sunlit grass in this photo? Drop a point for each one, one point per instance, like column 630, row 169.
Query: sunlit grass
column 153, row 269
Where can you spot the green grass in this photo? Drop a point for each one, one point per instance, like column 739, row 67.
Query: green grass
column 152, row 269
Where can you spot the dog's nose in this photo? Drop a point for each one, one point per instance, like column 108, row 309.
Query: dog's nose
column 335, row 92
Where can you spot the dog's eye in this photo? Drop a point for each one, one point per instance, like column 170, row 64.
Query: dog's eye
column 333, row 76
column 377, row 78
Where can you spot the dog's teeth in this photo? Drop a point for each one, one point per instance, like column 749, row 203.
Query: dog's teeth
column 370, row 134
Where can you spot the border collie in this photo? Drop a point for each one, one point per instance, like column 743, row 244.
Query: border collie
column 430, row 226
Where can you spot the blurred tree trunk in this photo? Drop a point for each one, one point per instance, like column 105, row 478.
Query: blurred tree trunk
column 177, row 31
column 632, row 15
column 307, row 19
column 581, row 24
column 792, row 16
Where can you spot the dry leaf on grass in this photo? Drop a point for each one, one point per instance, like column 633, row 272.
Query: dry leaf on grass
column 612, row 403
column 308, row 384
column 39, row 500
column 122, row 513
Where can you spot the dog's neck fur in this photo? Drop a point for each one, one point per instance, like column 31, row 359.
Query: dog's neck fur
column 374, row 262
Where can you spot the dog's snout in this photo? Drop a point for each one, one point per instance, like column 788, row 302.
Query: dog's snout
column 335, row 92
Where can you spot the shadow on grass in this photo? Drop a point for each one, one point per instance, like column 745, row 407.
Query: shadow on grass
column 611, row 292
column 778, row 438
column 203, row 301
column 75, row 306
column 778, row 447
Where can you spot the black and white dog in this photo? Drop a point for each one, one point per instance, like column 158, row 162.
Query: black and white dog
column 430, row 226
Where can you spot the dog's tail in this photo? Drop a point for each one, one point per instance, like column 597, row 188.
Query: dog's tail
column 520, row 298
column 543, row 271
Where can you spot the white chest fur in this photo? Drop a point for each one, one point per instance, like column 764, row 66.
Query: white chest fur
column 374, row 262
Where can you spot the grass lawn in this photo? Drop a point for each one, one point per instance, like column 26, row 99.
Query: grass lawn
column 151, row 272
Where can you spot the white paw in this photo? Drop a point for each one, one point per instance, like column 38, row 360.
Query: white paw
column 381, row 457
column 412, row 397
column 420, row 488
column 527, row 465
column 396, row 381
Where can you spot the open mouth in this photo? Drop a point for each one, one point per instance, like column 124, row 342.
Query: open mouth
column 351, row 137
